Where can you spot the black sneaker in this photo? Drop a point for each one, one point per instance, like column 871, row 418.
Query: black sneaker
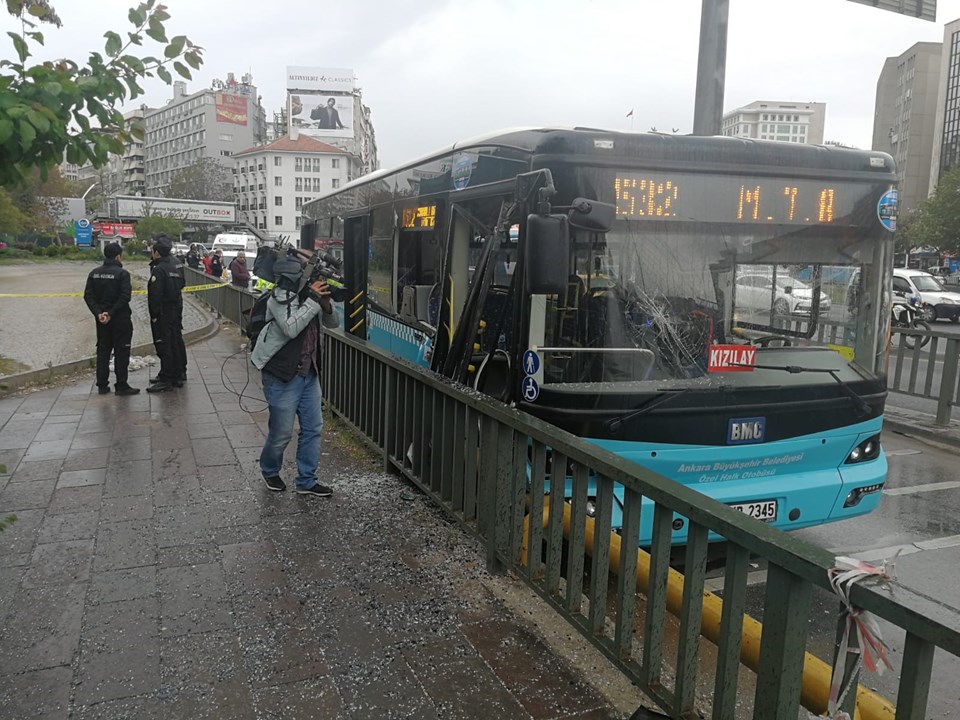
column 160, row 386
column 127, row 390
column 103, row 390
column 274, row 482
column 317, row 490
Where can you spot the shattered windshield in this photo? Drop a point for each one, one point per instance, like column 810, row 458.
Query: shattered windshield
column 645, row 302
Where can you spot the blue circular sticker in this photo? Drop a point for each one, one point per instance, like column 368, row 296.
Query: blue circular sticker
column 531, row 362
column 530, row 389
column 887, row 210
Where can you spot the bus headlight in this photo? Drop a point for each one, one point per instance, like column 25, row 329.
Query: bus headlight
column 869, row 449
column 591, row 507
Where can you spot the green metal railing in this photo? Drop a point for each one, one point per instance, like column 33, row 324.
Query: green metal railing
column 487, row 465
column 230, row 302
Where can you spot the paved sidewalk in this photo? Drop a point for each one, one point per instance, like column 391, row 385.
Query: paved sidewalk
column 150, row 574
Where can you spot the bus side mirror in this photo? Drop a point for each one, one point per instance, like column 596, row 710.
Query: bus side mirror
column 547, row 254
column 591, row 215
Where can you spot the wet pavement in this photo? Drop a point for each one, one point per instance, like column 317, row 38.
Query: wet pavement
column 151, row 574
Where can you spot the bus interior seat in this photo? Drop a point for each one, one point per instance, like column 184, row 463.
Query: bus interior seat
column 493, row 376
column 415, row 302
column 571, row 310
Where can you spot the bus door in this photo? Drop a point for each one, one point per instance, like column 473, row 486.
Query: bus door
column 479, row 349
column 356, row 251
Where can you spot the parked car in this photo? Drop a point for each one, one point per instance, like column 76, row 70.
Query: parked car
column 938, row 303
column 791, row 297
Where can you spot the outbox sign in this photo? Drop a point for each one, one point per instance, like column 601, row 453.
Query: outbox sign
column 732, row 358
column 129, row 206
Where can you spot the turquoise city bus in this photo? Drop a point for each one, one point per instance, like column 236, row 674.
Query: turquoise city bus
column 712, row 308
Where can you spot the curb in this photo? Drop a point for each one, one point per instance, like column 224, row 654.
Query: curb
column 941, row 437
column 13, row 383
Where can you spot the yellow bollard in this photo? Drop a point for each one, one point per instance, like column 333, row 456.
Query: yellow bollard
column 817, row 675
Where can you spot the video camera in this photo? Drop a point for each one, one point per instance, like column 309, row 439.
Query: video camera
column 326, row 266
column 319, row 265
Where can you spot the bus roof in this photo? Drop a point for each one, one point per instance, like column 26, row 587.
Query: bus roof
column 677, row 149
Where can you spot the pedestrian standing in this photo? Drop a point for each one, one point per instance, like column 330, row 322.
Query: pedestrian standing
column 165, row 303
column 216, row 264
column 193, row 258
column 288, row 353
column 207, row 259
column 239, row 274
column 107, row 294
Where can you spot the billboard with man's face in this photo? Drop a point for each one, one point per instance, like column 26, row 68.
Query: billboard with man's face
column 321, row 115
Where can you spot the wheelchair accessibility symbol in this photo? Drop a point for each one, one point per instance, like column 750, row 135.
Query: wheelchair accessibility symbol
column 530, row 389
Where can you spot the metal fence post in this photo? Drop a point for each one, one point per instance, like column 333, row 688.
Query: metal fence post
column 948, row 381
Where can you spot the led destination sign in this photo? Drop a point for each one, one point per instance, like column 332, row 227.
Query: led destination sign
column 420, row 218
column 716, row 198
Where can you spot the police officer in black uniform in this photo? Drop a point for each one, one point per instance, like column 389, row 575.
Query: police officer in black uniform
column 165, row 302
column 107, row 294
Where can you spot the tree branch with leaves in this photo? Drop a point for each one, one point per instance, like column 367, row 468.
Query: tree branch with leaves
column 56, row 107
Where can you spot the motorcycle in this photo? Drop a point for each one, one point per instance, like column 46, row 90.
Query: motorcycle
column 905, row 316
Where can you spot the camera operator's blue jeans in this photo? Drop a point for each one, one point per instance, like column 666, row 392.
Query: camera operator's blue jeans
column 298, row 398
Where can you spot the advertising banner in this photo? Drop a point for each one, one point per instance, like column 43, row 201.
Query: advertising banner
column 83, row 233
column 219, row 213
column 320, row 79
column 123, row 230
column 321, row 115
column 232, row 108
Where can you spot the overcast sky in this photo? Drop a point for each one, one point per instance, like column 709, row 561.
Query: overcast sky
column 444, row 70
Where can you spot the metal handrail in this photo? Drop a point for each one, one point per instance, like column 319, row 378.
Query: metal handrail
column 486, row 463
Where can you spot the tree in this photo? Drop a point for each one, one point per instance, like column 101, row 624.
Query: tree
column 12, row 220
column 40, row 200
column 155, row 224
column 936, row 223
column 52, row 108
column 206, row 179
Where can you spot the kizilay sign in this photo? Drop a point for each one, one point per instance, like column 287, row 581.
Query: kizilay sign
column 183, row 210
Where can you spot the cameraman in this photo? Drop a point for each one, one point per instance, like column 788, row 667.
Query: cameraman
column 287, row 352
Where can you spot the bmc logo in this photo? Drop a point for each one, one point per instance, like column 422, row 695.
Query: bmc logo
column 746, row 430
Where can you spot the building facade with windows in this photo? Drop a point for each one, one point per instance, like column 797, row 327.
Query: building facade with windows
column 798, row 122
column 904, row 118
column 214, row 122
column 272, row 182
column 946, row 131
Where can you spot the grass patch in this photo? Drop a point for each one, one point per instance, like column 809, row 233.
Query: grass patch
column 8, row 366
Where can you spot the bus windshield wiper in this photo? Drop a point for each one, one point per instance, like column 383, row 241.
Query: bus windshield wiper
column 664, row 396
column 862, row 407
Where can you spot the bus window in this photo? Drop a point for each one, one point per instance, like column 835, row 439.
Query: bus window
column 419, row 258
column 380, row 270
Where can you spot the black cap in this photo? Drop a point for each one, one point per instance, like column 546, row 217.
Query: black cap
column 112, row 250
column 162, row 244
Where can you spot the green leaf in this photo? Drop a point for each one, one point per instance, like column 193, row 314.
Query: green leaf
column 164, row 74
column 183, row 70
column 134, row 63
column 27, row 134
column 37, row 11
column 36, row 36
column 88, row 83
column 161, row 13
column 193, row 60
column 175, row 47
column 136, row 38
column 156, row 31
column 114, row 44
column 54, row 88
column 6, row 130
column 137, row 16
column 20, row 45
column 37, row 119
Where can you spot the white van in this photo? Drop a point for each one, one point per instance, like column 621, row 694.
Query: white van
column 937, row 301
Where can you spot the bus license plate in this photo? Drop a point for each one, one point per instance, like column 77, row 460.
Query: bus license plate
column 765, row 510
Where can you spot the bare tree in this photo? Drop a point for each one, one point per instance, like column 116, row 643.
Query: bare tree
column 206, row 179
